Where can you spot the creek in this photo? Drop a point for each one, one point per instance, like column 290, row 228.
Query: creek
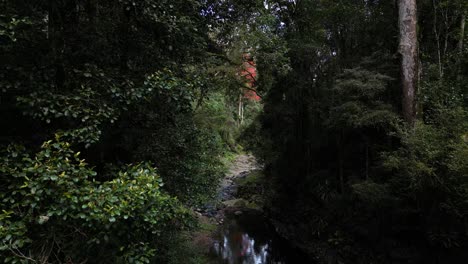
column 249, row 238
column 246, row 236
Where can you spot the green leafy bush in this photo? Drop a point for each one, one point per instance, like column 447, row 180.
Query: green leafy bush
column 52, row 209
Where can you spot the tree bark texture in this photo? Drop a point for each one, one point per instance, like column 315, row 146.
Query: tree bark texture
column 409, row 61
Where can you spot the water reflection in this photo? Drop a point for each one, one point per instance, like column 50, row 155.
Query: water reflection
column 240, row 248
column 249, row 239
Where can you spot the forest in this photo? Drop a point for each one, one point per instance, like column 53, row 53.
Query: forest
column 121, row 122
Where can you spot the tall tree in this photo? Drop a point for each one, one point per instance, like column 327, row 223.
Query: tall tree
column 460, row 42
column 409, row 52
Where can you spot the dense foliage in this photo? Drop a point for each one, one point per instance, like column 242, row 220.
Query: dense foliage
column 51, row 203
column 117, row 116
column 132, row 86
column 352, row 181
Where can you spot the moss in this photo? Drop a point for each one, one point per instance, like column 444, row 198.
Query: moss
column 193, row 247
column 228, row 157
column 255, row 177
column 236, row 203
column 207, row 226
column 251, row 188
column 255, row 205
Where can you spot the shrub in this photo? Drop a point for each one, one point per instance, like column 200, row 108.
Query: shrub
column 53, row 209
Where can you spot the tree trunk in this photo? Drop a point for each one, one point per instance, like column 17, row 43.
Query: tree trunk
column 437, row 36
column 460, row 45
column 462, row 33
column 240, row 110
column 409, row 60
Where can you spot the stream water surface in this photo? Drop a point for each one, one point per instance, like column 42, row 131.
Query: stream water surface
column 250, row 239
column 247, row 237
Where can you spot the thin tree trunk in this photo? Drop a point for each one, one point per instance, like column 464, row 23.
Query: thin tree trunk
column 460, row 45
column 240, row 110
column 242, row 113
column 462, row 33
column 437, row 36
column 409, row 61
column 447, row 30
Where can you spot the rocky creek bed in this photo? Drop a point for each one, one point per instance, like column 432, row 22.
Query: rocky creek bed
column 243, row 234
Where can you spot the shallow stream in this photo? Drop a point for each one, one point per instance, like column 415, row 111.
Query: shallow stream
column 248, row 238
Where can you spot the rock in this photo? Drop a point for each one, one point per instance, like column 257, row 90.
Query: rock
column 43, row 219
column 235, row 203
column 255, row 206
column 243, row 174
column 402, row 254
column 237, row 212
